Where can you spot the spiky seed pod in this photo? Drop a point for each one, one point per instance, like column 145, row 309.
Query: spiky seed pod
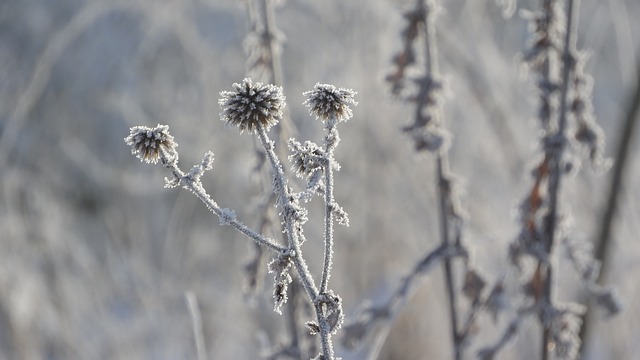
column 252, row 104
column 328, row 102
column 146, row 143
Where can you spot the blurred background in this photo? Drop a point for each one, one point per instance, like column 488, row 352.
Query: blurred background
column 96, row 256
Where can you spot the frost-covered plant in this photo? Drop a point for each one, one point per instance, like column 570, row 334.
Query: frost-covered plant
column 564, row 112
column 428, row 135
column 254, row 108
column 567, row 122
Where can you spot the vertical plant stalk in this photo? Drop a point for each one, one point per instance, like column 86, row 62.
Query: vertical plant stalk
column 196, row 320
column 329, row 147
column 444, row 184
column 282, row 192
column 626, row 135
column 616, row 187
column 555, row 176
column 270, row 40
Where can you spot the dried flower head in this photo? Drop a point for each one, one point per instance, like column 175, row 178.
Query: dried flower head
column 328, row 102
column 280, row 266
column 306, row 158
column 252, row 105
column 148, row 143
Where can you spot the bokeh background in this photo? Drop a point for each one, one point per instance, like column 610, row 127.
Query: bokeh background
column 96, row 256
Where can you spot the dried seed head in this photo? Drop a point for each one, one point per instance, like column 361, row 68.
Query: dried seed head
column 306, row 158
column 280, row 266
column 328, row 102
column 252, row 105
column 147, row 143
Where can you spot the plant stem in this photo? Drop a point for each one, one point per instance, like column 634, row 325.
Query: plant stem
column 294, row 244
column 444, row 193
column 555, row 154
column 196, row 188
column 328, row 205
column 616, row 188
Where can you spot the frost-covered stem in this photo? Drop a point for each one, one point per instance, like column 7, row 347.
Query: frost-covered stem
column 283, row 194
column 431, row 68
column 446, row 241
column 294, row 244
column 328, row 203
column 325, row 333
column 555, row 176
column 195, row 186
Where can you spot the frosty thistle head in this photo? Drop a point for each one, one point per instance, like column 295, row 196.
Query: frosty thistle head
column 306, row 158
column 328, row 102
column 148, row 144
column 252, row 105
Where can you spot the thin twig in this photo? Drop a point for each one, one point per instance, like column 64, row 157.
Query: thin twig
column 443, row 190
column 196, row 321
column 555, row 176
column 616, row 188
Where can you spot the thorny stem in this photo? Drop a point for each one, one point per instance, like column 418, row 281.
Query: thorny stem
column 555, row 175
column 431, row 68
column 294, row 244
column 329, row 204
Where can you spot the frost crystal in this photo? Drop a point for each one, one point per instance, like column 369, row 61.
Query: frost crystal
column 328, row 102
column 252, row 105
column 227, row 216
column 148, row 143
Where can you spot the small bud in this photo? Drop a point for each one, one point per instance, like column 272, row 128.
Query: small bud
column 306, row 159
column 328, row 102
